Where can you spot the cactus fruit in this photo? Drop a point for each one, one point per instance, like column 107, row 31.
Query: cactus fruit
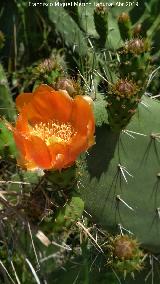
column 135, row 60
column 71, row 86
column 122, row 103
column 101, row 22
column 125, row 26
column 124, row 254
column 137, row 30
column 47, row 72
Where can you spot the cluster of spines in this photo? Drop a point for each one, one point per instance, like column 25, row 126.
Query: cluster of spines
column 101, row 23
column 123, row 99
column 125, row 255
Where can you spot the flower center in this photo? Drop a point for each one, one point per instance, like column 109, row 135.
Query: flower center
column 53, row 131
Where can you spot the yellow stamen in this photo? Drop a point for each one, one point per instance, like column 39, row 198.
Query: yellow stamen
column 53, row 131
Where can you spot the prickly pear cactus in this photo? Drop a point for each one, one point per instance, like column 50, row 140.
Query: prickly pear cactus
column 121, row 177
column 135, row 59
column 7, row 107
column 7, row 145
column 125, row 26
column 101, row 22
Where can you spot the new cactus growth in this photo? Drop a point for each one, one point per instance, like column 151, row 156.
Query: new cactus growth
column 122, row 100
column 125, row 26
column 137, row 30
column 48, row 71
column 124, row 254
column 71, row 86
column 101, row 23
column 135, row 60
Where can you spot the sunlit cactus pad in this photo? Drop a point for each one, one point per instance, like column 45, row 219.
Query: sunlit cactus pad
column 122, row 175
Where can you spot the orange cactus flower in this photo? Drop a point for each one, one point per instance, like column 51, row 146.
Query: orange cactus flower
column 52, row 128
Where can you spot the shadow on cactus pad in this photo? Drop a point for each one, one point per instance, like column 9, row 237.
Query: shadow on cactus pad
column 121, row 181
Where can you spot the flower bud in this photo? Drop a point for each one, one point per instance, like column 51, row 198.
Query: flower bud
column 125, row 88
column 136, row 46
column 124, row 247
column 66, row 84
column 137, row 30
column 124, row 24
column 89, row 100
column 123, row 18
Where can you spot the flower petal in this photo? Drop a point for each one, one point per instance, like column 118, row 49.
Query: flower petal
column 82, row 117
column 48, row 104
column 77, row 145
column 59, row 154
column 20, row 143
column 22, row 122
column 23, row 99
column 38, row 152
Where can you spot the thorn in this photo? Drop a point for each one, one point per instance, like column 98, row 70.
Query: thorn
column 116, row 276
column 148, row 94
column 79, row 224
column 97, row 73
column 120, row 228
column 134, row 132
column 88, row 213
column 105, row 57
column 123, row 171
column 63, row 245
column 80, row 184
column 120, row 199
column 34, row 249
column 74, row 47
column 145, row 104
column 118, row 58
column 133, row 276
column 124, row 274
column 155, row 136
column 91, row 45
column 158, row 212
column 126, row 132
column 152, row 75
column 5, row 269
column 156, row 258
column 123, row 229
column 14, row 182
column 87, row 85
column 154, row 97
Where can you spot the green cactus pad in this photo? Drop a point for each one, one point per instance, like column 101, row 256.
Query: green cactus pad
column 125, row 25
column 122, row 177
column 7, row 107
column 69, row 214
column 101, row 22
column 135, row 61
column 7, row 145
column 67, row 28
